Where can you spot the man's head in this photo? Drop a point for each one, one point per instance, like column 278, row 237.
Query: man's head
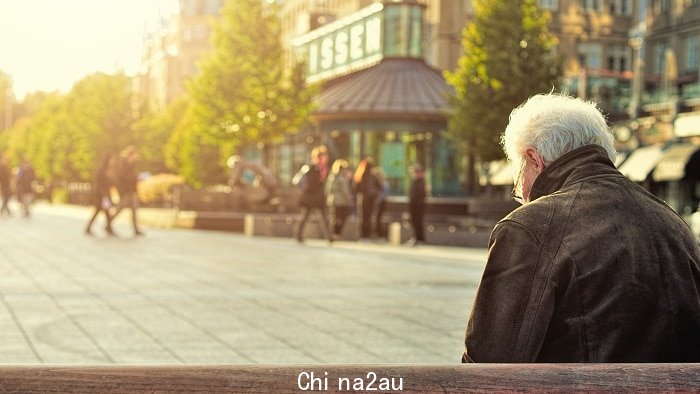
column 130, row 154
column 319, row 155
column 546, row 127
column 416, row 171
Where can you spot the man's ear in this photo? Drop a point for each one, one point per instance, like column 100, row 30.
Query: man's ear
column 535, row 158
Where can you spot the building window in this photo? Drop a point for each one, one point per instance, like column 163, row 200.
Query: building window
column 659, row 58
column 548, row 4
column 590, row 5
column 691, row 53
column 618, row 56
column 620, row 7
column 590, row 55
column 396, row 31
column 661, row 6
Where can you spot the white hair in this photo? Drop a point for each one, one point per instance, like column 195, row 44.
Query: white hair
column 554, row 124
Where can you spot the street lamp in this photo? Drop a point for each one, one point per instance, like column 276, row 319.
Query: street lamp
column 637, row 43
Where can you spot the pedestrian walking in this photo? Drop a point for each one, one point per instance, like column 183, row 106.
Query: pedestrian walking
column 25, row 186
column 416, row 203
column 5, row 185
column 127, row 182
column 340, row 194
column 311, row 180
column 101, row 187
column 380, row 201
column 368, row 189
column 592, row 267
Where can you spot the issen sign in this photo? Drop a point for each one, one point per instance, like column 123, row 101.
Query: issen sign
column 362, row 39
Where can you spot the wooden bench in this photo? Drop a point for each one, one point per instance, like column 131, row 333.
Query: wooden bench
column 317, row 378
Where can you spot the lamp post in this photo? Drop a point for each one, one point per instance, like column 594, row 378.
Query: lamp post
column 636, row 42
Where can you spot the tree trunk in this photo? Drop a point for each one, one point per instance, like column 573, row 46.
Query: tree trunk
column 265, row 155
column 471, row 175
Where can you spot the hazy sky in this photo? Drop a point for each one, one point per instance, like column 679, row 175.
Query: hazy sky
column 50, row 44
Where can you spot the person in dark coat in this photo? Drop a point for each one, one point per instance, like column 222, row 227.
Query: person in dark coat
column 380, row 201
column 416, row 203
column 592, row 267
column 313, row 197
column 127, row 182
column 368, row 188
column 101, row 186
column 5, row 185
column 25, row 189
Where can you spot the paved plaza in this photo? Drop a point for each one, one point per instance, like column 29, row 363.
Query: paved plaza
column 198, row 297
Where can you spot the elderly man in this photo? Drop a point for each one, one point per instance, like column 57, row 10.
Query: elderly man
column 592, row 268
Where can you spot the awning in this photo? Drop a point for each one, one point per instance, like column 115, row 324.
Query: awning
column 395, row 89
column 687, row 125
column 672, row 166
column 641, row 162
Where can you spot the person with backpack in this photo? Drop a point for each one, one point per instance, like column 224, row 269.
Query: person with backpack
column 311, row 180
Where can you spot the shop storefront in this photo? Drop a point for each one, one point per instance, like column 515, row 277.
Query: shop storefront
column 379, row 99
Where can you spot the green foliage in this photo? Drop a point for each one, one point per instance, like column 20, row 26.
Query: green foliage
column 5, row 98
column 65, row 136
column 153, row 130
column 244, row 94
column 509, row 56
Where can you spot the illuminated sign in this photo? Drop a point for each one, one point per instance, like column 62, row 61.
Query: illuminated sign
column 361, row 39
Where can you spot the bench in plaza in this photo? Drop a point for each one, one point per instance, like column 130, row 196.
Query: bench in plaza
column 373, row 378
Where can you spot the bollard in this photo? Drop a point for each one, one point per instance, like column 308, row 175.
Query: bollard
column 249, row 225
column 395, row 233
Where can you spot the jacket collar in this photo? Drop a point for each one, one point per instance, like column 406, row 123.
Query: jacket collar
column 572, row 167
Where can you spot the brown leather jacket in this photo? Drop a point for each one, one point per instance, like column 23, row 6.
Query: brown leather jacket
column 594, row 269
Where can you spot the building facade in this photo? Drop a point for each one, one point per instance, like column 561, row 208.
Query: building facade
column 637, row 58
column 383, row 93
column 173, row 49
column 594, row 43
column 666, row 130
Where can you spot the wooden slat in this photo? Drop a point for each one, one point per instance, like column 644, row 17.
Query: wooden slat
column 428, row 378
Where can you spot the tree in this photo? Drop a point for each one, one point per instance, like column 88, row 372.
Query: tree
column 244, row 94
column 509, row 55
column 6, row 101
column 189, row 153
column 66, row 135
column 153, row 130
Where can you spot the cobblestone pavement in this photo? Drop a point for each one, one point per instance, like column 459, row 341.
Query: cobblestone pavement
column 198, row 297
